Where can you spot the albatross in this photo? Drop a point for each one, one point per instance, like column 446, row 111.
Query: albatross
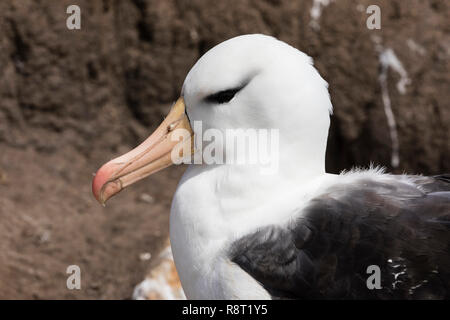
column 297, row 232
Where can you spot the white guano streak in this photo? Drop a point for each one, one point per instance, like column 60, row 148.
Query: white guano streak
column 316, row 12
column 388, row 59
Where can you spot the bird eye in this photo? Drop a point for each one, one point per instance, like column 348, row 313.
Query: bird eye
column 222, row 96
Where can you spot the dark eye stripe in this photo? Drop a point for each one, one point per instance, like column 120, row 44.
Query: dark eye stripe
column 222, row 96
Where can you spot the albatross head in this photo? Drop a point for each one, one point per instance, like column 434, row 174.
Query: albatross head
column 249, row 82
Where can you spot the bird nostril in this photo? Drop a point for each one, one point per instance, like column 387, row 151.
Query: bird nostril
column 171, row 127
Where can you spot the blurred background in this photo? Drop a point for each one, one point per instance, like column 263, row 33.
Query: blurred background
column 72, row 99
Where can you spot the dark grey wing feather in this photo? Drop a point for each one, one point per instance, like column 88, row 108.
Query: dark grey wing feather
column 402, row 228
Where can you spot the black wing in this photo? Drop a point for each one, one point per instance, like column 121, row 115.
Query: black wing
column 403, row 229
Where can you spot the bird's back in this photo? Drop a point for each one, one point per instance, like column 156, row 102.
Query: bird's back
column 397, row 225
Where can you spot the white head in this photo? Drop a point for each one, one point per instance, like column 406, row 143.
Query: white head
column 251, row 81
column 262, row 83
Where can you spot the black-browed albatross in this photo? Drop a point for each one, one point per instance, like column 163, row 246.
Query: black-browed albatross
column 298, row 232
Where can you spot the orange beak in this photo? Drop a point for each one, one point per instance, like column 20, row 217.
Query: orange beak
column 162, row 149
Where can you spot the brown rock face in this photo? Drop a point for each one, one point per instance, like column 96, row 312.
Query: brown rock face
column 72, row 99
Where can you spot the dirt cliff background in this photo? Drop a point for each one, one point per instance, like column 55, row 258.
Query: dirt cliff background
column 72, row 99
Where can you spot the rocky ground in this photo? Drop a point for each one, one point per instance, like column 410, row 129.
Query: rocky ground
column 72, row 99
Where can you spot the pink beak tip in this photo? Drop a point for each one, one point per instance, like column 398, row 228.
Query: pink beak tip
column 100, row 178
